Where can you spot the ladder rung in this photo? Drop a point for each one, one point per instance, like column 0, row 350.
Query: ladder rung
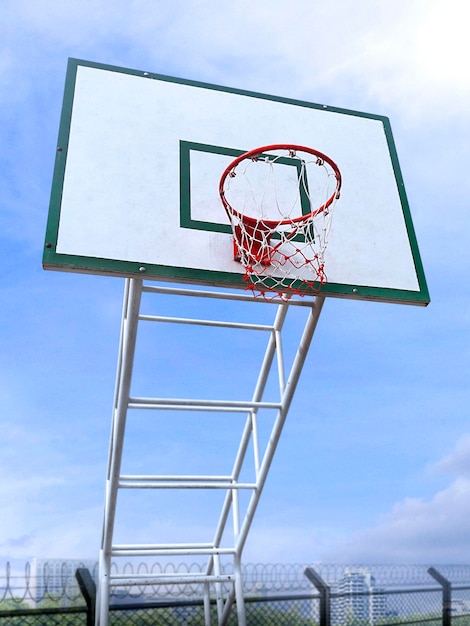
column 200, row 293
column 200, row 322
column 168, row 579
column 177, row 477
column 179, row 407
column 168, row 550
column 225, row 295
column 181, row 482
column 204, row 405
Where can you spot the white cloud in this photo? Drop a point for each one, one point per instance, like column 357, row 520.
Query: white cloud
column 407, row 55
column 457, row 462
column 292, row 541
column 419, row 530
column 48, row 515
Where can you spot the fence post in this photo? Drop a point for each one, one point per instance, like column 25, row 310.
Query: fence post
column 88, row 589
column 446, row 596
column 324, row 591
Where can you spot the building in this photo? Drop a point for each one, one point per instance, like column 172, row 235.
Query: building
column 359, row 599
column 52, row 579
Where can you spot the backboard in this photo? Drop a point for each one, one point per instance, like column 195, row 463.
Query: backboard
column 140, row 156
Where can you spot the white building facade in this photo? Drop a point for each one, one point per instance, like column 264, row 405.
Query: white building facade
column 55, row 578
column 360, row 600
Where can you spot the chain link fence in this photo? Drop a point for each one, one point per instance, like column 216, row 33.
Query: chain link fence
column 276, row 595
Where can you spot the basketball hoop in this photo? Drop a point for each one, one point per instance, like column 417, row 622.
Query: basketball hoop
column 285, row 195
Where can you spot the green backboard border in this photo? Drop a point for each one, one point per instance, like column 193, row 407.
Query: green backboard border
column 111, row 267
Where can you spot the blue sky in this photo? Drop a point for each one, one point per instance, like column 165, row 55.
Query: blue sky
column 374, row 463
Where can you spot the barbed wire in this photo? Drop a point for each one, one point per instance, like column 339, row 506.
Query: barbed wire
column 43, row 580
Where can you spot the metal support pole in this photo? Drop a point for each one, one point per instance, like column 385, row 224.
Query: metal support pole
column 286, row 400
column 324, row 591
column 88, row 589
column 446, row 595
column 128, row 338
column 289, row 391
column 228, row 585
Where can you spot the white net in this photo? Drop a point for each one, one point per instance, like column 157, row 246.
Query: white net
column 280, row 201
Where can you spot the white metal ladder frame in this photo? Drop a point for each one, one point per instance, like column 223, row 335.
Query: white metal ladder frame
column 123, row 400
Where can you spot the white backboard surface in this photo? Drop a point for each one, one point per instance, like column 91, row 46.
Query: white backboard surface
column 135, row 189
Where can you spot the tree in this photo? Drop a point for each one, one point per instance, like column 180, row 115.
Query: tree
column 13, row 604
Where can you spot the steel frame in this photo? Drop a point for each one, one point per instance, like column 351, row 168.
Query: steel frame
column 212, row 577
